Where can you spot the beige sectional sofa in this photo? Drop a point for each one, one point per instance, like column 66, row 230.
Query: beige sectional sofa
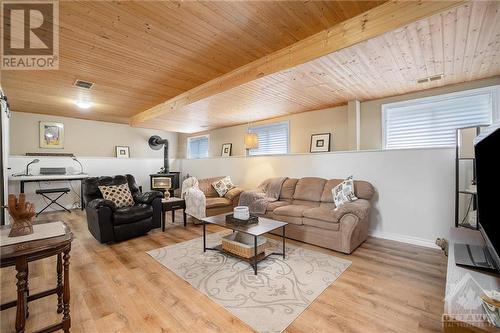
column 307, row 205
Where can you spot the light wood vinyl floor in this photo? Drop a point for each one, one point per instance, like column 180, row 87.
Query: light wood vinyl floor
column 390, row 287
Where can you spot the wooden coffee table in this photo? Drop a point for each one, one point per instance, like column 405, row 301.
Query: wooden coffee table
column 264, row 226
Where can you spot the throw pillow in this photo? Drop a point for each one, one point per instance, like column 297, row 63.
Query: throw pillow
column 119, row 194
column 344, row 192
column 223, row 185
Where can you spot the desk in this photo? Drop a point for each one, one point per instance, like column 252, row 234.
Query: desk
column 42, row 178
column 19, row 255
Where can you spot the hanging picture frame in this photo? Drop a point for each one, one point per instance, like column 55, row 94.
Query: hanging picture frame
column 122, row 152
column 226, row 149
column 51, row 135
column 320, row 143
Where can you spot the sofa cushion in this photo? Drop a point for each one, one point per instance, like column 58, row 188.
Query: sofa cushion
column 132, row 214
column 205, row 185
column 217, row 202
column 288, row 188
column 119, row 194
column 327, row 196
column 291, row 210
column 309, row 204
column 333, row 226
column 273, row 205
column 289, row 219
column 321, row 213
column 362, row 189
column 309, row 189
column 233, row 193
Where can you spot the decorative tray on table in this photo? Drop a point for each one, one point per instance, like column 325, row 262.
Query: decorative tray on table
column 251, row 220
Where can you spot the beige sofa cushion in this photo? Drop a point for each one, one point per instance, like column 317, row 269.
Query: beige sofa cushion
column 309, row 189
column 206, row 187
column 273, row 205
column 320, row 213
column 362, row 189
column 289, row 219
column 233, row 193
column 291, row 210
column 218, row 202
column 306, row 203
column 288, row 188
column 334, row 226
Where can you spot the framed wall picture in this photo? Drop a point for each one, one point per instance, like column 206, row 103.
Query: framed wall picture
column 226, row 149
column 320, row 143
column 51, row 135
column 122, row 152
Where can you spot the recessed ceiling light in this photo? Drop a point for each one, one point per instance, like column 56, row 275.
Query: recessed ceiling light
column 83, row 104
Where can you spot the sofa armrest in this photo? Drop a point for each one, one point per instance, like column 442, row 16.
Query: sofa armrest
column 100, row 203
column 360, row 208
column 234, row 195
column 99, row 219
column 148, row 197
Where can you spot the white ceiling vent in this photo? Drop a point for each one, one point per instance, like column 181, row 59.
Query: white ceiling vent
column 430, row 78
column 84, row 84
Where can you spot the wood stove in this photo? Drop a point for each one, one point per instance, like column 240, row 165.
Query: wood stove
column 157, row 180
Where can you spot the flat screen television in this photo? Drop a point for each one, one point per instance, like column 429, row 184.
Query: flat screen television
column 487, row 165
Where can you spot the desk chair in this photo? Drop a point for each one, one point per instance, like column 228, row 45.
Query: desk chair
column 61, row 191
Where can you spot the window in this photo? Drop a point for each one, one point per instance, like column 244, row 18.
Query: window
column 273, row 139
column 197, row 147
column 432, row 121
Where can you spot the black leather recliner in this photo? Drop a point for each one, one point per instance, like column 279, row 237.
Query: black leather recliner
column 108, row 223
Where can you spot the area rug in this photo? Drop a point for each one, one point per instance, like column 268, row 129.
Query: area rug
column 267, row 302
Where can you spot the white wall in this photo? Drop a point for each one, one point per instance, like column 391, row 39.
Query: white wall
column 415, row 188
column 85, row 137
column 140, row 168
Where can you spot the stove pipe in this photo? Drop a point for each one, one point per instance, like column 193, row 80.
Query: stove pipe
column 155, row 142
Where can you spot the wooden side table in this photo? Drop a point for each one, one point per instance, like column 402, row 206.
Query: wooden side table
column 172, row 204
column 19, row 255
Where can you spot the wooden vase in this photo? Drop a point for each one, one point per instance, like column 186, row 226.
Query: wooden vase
column 22, row 213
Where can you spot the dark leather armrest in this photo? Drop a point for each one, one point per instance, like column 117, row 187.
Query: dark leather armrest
column 99, row 203
column 148, row 197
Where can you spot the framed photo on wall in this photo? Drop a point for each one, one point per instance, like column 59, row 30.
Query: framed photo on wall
column 122, row 152
column 226, row 149
column 51, row 135
column 320, row 143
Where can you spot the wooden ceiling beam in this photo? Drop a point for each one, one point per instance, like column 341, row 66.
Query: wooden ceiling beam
column 372, row 23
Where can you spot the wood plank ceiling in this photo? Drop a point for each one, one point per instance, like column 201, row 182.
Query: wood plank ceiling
column 462, row 43
column 139, row 54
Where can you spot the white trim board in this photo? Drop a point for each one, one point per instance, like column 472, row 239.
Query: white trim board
column 404, row 239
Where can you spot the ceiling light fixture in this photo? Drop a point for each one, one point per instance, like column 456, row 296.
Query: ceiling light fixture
column 83, row 104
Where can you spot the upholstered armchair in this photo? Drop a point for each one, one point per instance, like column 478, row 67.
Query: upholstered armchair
column 107, row 222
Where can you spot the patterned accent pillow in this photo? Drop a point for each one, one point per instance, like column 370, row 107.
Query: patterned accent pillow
column 344, row 192
column 119, row 194
column 222, row 186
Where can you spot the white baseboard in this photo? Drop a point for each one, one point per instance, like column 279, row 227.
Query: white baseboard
column 404, row 239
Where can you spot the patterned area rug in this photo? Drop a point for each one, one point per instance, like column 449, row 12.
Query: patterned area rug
column 269, row 301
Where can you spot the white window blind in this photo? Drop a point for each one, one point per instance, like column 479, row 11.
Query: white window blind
column 197, row 147
column 273, row 139
column 432, row 122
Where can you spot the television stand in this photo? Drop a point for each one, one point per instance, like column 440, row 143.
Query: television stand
column 463, row 310
column 474, row 256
